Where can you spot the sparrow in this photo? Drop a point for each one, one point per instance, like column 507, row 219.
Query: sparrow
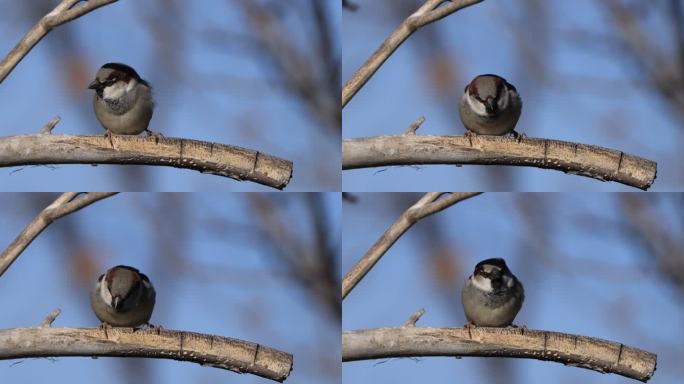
column 123, row 101
column 123, row 297
column 492, row 295
column 490, row 106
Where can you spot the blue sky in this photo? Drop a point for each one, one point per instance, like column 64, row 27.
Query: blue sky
column 217, row 278
column 581, row 276
column 581, row 92
column 211, row 84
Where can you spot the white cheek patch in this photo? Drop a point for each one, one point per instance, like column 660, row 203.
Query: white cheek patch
column 508, row 281
column 476, row 106
column 115, row 90
column 104, row 292
column 149, row 289
column 482, row 283
column 130, row 85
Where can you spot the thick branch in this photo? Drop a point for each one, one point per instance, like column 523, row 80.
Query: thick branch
column 586, row 160
column 429, row 12
column 430, row 203
column 62, row 13
column 65, row 204
column 209, row 350
column 218, row 159
column 580, row 351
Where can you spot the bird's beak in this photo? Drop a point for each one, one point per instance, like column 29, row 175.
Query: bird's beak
column 490, row 105
column 94, row 85
column 116, row 302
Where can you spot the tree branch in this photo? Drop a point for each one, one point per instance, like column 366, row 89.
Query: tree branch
column 427, row 205
column 206, row 157
column 208, row 350
column 586, row 160
column 65, row 204
column 580, row 351
column 62, row 13
column 430, row 11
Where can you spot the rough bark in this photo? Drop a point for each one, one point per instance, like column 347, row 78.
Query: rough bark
column 575, row 350
column 207, row 350
column 206, row 157
column 586, row 160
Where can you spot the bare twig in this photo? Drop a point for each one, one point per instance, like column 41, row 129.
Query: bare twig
column 580, row 351
column 65, row 204
column 64, row 12
column 413, row 319
column 430, row 11
column 586, row 160
column 411, row 130
column 47, row 129
column 430, row 203
column 206, row 157
column 208, row 350
column 49, row 319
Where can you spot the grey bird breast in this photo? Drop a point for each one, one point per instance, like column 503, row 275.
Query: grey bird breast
column 125, row 117
column 491, row 309
column 498, row 125
column 138, row 315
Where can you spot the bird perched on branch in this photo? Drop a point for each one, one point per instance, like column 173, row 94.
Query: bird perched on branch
column 123, row 297
column 492, row 295
column 123, row 101
column 490, row 106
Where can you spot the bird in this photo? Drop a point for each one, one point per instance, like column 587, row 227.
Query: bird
column 123, row 101
column 490, row 106
column 492, row 295
column 123, row 297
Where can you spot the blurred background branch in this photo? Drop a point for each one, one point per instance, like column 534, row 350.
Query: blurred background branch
column 428, row 204
column 309, row 72
column 310, row 262
column 430, row 11
column 65, row 204
column 64, row 12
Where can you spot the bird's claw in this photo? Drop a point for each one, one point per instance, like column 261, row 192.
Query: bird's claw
column 104, row 326
column 156, row 135
column 109, row 134
column 518, row 136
